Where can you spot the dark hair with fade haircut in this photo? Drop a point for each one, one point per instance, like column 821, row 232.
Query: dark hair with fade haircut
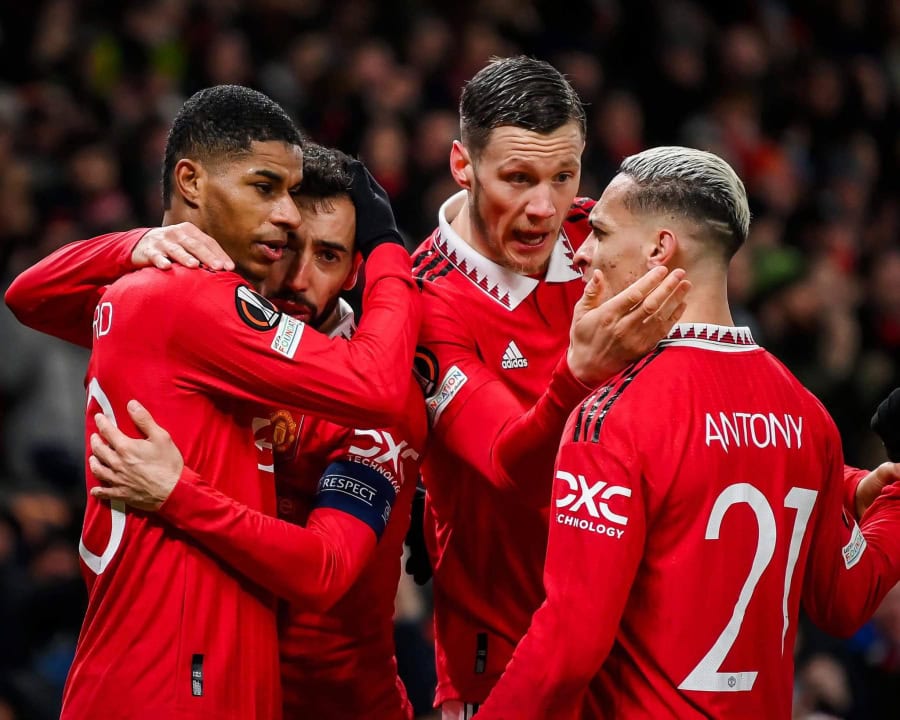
column 692, row 184
column 326, row 176
column 518, row 91
column 221, row 122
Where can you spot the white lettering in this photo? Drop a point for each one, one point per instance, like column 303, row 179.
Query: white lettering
column 103, row 315
column 765, row 425
column 583, row 495
column 740, row 429
column 391, row 451
column 583, row 524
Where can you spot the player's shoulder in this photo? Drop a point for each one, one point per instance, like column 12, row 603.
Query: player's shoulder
column 431, row 267
column 580, row 209
column 174, row 281
column 633, row 392
column 576, row 226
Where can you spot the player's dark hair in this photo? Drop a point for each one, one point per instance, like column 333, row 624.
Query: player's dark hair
column 221, row 122
column 692, row 184
column 518, row 91
column 326, row 176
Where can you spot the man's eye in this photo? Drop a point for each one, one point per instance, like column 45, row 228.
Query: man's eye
column 264, row 188
column 328, row 257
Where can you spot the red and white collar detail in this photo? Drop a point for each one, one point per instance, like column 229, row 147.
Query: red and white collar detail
column 505, row 286
column 724, row 338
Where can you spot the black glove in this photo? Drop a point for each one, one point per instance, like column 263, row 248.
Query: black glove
column 375, row 224
column 886, row 422
column 418, row 563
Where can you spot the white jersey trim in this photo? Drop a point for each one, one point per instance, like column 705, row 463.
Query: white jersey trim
column 706, row 336
column 506, row 287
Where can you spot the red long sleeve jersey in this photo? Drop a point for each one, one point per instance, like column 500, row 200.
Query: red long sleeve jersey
column 339, row 664
column 498, row 392
column 187, row 636
column 697, row 503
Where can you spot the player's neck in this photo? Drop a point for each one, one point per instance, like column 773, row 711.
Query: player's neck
column 462, row 225
column 707, row 303
column 465, row 225
column 331, row 322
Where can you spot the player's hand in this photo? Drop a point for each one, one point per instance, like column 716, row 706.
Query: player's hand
column 181, row 244
column 140, row 472
column 886, row 423
column 375, row 223
column 870, row 487
column 418, row 564
column 605, row 337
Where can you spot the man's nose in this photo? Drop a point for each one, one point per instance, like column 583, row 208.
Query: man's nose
column 584, row 257
column 540, row 202
column 285, row 213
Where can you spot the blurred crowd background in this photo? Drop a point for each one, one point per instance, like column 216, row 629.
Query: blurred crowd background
column 801, row 97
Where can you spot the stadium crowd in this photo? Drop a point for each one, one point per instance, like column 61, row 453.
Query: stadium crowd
column 801, row 98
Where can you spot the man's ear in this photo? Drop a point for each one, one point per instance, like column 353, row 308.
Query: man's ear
column 189, row 180
column 664, row 248
column 350, row 282
column 461, row 166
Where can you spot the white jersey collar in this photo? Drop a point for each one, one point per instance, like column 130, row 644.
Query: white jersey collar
column 505, row 286
column 346, row 325
column 724, row 338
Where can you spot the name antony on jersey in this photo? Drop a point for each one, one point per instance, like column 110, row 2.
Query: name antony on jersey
column 761, row 430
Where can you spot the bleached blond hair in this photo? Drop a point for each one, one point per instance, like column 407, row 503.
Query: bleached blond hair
column 692, row 184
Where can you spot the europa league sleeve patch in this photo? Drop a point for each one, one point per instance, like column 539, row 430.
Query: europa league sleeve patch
column 426, row 370
column 254, row 310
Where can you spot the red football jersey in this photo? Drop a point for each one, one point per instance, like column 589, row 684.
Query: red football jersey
column 339, row 663
column 498, row 392
column 698, row 501
column 185, row 635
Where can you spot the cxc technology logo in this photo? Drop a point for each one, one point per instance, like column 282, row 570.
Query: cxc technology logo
column 583, row 504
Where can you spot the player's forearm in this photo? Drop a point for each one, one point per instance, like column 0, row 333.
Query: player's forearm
column 525, row 449
column 840, row 600
column 363, row 382
column 58, row 295
column 852, row 478
column 312, row 567
column 546, row 677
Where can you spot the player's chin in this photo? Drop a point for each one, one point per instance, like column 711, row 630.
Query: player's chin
column 527, row 263
column 257, row 268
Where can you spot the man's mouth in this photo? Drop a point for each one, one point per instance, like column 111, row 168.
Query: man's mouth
column 299, row 310
column 272, row 250
column 531, row 239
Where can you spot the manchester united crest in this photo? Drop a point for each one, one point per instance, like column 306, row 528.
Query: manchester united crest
column 284, row 430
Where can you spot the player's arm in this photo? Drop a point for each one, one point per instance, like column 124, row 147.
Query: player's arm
column 861, row 487
column 500, row 436
column 58, row 295
column 312, row 565
column 226, row 340
column 851, row 566
column 587, row 576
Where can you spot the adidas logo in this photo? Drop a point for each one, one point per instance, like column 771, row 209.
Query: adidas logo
column 512, row 357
